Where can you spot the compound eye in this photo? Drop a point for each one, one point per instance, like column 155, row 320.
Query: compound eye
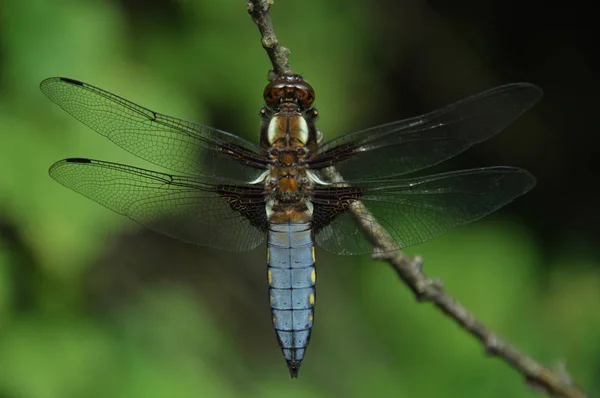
column 290, row 89
column 306, row 96
column 272, row 95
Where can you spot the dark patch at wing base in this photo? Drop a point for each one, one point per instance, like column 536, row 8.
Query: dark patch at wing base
column 249, row 203
column 331, row 202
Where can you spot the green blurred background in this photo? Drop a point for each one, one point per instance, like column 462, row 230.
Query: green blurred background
column 92, row 305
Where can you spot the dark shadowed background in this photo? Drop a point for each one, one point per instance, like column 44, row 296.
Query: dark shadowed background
column 91, row 305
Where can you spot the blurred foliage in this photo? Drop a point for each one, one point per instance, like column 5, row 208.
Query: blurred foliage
column 93, row 306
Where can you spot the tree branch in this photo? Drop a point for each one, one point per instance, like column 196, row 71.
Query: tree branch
column 556, row 383
column 259, row 11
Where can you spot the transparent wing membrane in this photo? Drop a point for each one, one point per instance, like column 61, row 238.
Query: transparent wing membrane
column 413, row 211
column 412, row 144
column 173, row 143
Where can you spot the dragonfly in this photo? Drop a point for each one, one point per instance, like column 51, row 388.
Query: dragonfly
column 293, row 188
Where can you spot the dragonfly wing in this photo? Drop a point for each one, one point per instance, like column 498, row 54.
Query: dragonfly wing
column 411, row 211
column 408, row 145
column 169, row 142
column 207, row 212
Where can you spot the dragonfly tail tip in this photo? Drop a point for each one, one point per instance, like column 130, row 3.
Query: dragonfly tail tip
column 294, row 367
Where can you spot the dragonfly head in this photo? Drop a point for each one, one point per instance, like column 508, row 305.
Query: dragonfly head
column 289, row 89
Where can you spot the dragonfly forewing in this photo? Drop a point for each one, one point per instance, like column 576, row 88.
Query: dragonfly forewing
column 176, row 144
column 409, row 145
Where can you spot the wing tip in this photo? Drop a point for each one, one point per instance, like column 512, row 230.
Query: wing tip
column 51, row 80
column 536, row 91
column 531, row 180
column 77, row 160
column 70, row 81
column 528, row 179
column 68, row 160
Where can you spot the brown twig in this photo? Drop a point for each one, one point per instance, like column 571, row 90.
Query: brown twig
column 259, row 11
column 556, row 383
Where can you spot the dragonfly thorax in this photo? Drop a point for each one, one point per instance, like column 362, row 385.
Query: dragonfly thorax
column 287, row 132
column 288, row 184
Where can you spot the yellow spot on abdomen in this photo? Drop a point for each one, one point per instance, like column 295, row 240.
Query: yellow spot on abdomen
column 313, row 254
column 310, row 318
column 311, row 299
column 274, row 320
column 313, row 276
column 269, row 255
column 270, row 276
column 271, row 299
